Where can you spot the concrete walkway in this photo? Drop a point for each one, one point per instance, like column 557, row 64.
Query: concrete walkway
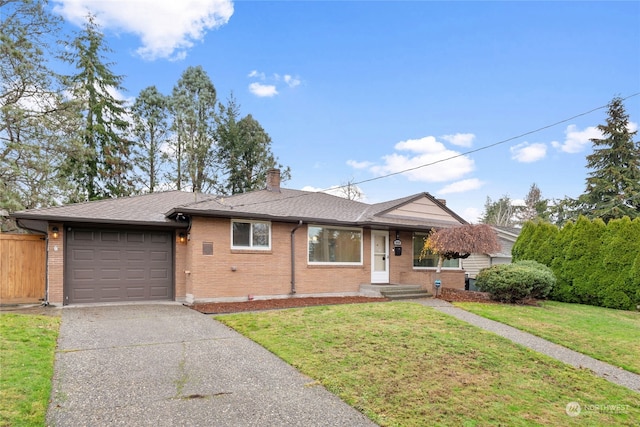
column 167, row 365
column 611, row 373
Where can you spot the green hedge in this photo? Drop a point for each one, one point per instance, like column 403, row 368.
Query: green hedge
column 594, row 263
column 517, row 281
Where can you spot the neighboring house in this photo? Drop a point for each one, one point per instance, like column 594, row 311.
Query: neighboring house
column 272, row 243
column 507, row 236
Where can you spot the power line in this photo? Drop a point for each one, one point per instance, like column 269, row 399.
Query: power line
column 485, row 147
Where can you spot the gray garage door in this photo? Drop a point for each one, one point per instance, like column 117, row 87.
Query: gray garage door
column 108, row 265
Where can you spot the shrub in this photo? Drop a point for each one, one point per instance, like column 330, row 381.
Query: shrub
column 517, row 281
column 545, row 280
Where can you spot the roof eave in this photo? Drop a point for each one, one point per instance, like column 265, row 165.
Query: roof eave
column 94, row 221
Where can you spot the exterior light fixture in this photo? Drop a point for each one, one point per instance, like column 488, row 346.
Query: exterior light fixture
column 55, row 232
column 182, row 237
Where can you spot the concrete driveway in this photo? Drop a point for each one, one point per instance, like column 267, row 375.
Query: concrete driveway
column 167, row 365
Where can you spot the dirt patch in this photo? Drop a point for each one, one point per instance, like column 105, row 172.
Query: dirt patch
column 270, row 304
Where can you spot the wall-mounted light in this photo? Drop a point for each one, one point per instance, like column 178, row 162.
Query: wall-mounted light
column 55, row 232
column 182, row 237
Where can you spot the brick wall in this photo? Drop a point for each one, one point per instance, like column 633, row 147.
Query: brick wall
column 55, row 272
column 230, row 274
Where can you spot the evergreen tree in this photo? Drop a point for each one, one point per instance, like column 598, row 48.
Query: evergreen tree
column 151, row 130
column 500, row 213
column 521, row 248
column 535, row 207
column 543, row 243
column 103, row 169
column 620, row 246
column 244, row 151
column 563, row 291
column 193, row 103
column 35, row 122
column 583, row 259
column 613, row 185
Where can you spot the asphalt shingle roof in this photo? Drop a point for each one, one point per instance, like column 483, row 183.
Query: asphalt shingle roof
column 161, row 209
column 147, row 209
column 295, row 205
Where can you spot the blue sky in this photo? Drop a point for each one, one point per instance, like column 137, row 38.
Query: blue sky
column 359, row 90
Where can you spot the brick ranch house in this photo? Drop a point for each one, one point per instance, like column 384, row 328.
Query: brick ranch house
column 271, row 243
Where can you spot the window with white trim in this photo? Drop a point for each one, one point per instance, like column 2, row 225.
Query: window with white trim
column 334, row 245
column 250, row 234
column 428, row 260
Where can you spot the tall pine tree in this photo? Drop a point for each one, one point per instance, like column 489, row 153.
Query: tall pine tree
column 151, row 131
column 192, row 105
column 613, row 185
column 103, row 168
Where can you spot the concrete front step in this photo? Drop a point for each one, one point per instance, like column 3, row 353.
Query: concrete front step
column 407, row 295
column 394, row 292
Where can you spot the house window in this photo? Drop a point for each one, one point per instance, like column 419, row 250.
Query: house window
column 428, row 260
column 335, row 245
column 250, row 235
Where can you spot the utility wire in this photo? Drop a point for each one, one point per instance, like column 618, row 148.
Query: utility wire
column 485, row 147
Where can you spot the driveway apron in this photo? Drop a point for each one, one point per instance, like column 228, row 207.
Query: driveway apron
column 167, row 365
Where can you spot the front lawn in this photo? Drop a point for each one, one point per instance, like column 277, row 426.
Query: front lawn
column 27, row 347
column 612, row 336
column 403, row 364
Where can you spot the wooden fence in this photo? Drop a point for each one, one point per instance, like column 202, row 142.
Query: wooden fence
column 22, row 268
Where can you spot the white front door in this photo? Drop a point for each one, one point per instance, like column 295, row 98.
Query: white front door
column 379, row 256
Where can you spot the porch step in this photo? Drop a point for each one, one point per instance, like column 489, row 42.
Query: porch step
column 395, row 292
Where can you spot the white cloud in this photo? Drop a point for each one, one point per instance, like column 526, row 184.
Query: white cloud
column 271, row 89
column 291, row 81
column 528, row 153
column 359, row 165
column 472, row 215
column 430, row 159
column 576, row 140
column 258, row 89
column 460, row 139
column 257, row 74
column 461, row 186
column 167, row 28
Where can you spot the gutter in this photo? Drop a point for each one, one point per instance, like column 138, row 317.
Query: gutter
column 293, row 257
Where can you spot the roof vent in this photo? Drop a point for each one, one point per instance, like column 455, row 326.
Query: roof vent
column 273, row 180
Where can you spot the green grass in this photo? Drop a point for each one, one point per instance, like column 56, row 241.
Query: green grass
column 27, row 347
column 612, row 336
column 403, row 364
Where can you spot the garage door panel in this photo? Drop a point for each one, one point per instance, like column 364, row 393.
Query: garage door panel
column 83, row 254
column 135, row 237
column 110, row 236
column 109, row 255
column 159, row 256
column 159, row 292
column 118, row 265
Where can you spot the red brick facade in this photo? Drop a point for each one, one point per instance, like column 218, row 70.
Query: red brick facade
column 231, row 274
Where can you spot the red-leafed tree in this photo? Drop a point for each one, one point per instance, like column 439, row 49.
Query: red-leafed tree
column 459, row 242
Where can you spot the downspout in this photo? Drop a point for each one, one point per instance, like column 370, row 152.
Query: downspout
column 293, row 257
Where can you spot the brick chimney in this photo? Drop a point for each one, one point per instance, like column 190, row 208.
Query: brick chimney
column 273, row 180
column 443, row 201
